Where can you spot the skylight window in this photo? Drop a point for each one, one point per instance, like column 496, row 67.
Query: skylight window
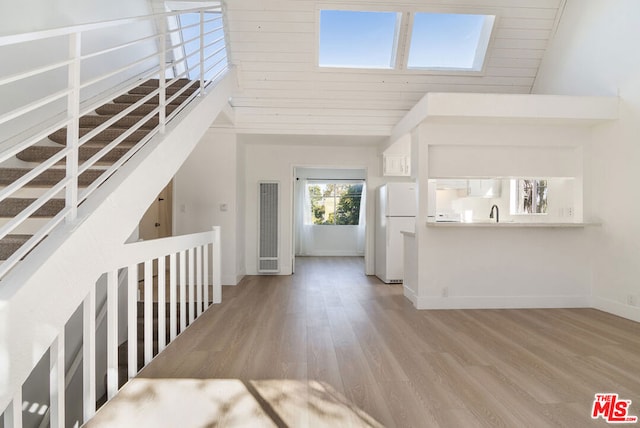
column 357, row 39
column 442, row 41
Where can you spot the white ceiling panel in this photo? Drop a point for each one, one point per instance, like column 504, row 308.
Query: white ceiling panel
column 273, row 43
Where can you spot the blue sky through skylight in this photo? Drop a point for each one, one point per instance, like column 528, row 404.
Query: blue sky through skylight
column 448, row 41
column 357, row 39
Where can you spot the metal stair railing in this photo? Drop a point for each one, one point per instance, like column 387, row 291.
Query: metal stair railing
column 167, row 55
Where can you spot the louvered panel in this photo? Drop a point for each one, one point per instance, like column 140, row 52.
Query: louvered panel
column 268, row 261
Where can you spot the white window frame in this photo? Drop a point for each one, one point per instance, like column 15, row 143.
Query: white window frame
column 516, row 198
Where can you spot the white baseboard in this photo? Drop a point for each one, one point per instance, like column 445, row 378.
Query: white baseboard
column 332, row 254
column 411, row 295
column 231, row 279
column 617, row 308
column 502, row 302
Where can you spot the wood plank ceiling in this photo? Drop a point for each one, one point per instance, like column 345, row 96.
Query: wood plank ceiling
column 283, row 91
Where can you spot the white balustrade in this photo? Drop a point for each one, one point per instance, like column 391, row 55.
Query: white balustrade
column 146, row 253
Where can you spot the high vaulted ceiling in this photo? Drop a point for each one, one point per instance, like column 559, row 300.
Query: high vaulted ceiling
column 283, row 91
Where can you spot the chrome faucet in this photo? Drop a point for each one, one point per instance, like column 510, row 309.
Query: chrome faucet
column 497, row 213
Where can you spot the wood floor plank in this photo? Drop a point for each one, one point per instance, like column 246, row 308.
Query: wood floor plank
column 330, row 346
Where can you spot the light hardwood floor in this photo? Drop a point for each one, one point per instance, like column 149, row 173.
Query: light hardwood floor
column 329, row 346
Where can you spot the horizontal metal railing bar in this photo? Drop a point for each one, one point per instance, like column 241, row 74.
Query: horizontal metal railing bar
column 8, row 264
column 112, row 169
column 22, row 181
column 33, row 106
column 218, row 74
column 106, row 149
column 34, row 72
column 208, row 9
column 85, row 138
column 116, row 72
column 178, row 93
column 81, row 28
column 215, row 30
column 121, row 46
column 182, row 106
column 218, row 40
column 17, row 148
column 215, row 64
column 32, row 208
column 93, row 104
column 208, row 57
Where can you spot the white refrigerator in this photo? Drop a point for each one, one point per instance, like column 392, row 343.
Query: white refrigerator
column 395, row 212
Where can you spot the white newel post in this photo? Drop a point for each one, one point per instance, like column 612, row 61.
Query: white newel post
column 216, row 266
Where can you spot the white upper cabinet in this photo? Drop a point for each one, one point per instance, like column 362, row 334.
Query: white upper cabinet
column 396, row 165
column 484, row 188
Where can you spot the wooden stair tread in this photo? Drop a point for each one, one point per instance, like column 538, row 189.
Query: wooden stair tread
column 154, row 83
column 134, row 98
column 10, row 244
column 115, row 108
column 11, row 207
column 171, row 90
column 126, row 122
column 42, row 153
column 47, row 178
column 104, row 137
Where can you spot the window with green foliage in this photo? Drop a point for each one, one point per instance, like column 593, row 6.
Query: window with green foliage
column 335, row 203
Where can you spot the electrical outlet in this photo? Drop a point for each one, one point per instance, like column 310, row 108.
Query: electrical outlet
column 570, row 212
column 632, row 300
column 445, row 291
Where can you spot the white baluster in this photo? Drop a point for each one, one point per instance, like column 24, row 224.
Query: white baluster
column 148, row 311
column 57, row 382
column 183, row 290
column 13, row 414
column 112, row 334
column 162, row 307
column 192, row 286
column 132, row 320
column 89, row 355
column 199, row 279
column 205, row 260
column 173, row 279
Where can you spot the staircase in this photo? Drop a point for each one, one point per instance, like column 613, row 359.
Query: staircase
column 27, row 159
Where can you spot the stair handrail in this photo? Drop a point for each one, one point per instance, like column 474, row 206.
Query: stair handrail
column 207, row 66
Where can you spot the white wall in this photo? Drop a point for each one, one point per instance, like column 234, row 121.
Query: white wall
column 277, row 162
column 488, row 268
column 34, row 15
column 204, row 185
column 595, row 53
